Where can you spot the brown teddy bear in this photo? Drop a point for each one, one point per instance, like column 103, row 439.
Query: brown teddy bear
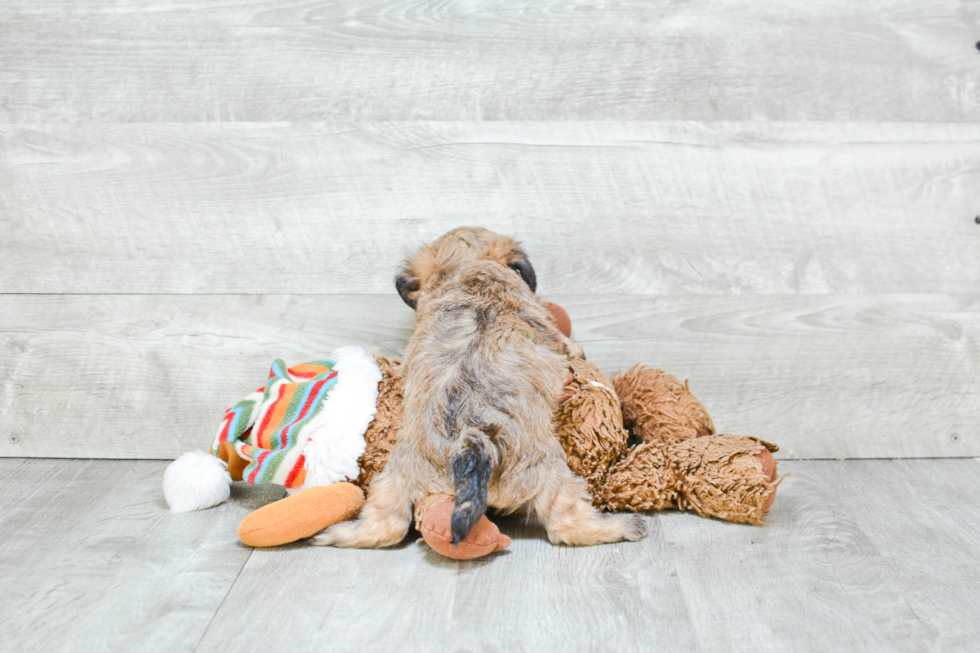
column 643, row 442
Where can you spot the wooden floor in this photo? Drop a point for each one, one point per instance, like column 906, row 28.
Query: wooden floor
column 859, row 555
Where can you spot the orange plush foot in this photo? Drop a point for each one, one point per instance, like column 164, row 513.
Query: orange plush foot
column 769, row 469
column 301, row 515
column 484, row 538
column 562, row 321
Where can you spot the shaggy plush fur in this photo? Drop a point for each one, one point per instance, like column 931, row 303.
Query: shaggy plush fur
column 714, row 476
column 589, row 424
column 719, row 476
column 382, row 433
column 481, row 377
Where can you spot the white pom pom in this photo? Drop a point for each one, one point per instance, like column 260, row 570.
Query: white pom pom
column 195, row 481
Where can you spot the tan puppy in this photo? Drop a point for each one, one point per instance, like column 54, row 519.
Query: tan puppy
column 482, row 377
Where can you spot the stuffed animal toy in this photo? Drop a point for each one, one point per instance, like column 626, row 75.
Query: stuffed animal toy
column 323, row 430
column 642, row 441
column 305, row 428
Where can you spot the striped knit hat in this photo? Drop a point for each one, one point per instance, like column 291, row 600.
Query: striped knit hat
column 304, row 428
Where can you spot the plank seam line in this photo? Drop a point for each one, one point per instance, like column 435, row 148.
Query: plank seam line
column 206, row 294
column 597, row 296
column 4, row 457
column 223, row 599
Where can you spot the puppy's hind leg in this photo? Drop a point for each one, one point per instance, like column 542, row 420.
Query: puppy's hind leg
column 569, row 517
column 383, row 521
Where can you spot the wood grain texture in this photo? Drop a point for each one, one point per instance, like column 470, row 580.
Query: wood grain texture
column 857, row 376
column 858, row 556
column 847, row 562
column 895, row 60
column 344, row 600
column 91, row 560
column 822, row 376
column 533, row 597
column 639, row 208
column 774, row 200
column 935, row 549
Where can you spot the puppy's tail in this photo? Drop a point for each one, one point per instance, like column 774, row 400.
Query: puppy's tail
column 471, row 465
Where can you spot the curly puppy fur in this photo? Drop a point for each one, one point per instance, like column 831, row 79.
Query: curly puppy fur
column 482, row 376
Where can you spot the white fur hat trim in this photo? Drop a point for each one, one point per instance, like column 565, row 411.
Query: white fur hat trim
column 337, row 432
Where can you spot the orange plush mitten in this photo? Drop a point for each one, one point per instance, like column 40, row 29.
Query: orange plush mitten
column 301, row 515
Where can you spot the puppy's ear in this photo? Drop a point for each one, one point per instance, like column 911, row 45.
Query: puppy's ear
column 522, row 266
column 408, row 288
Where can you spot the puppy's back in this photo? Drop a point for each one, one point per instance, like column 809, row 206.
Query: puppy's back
column 482, row 374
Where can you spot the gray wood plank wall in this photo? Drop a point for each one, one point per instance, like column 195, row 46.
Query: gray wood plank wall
column 638, row 208
column 149, row 376
column 267, row 61
column 777, row 202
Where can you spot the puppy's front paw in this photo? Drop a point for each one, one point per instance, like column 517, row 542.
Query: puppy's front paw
column 321, row 539
column 634, row 527
column 330, row 536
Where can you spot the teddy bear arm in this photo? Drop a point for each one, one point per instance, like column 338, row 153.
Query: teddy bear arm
column 236, row 464
column 658, row 407
column 589, row 423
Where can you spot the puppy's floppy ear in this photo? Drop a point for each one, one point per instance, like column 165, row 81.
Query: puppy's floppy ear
column 408, row 288
column 522, row 266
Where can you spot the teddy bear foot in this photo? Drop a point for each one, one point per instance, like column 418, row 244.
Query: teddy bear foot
column 768, row 469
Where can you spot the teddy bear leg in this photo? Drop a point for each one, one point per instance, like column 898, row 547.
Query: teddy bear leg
column 384, row 520
column 730, row 477
column 642, row 480
column 768, row 464
column 301, row 515
column 566, row 511
column 725, row 476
